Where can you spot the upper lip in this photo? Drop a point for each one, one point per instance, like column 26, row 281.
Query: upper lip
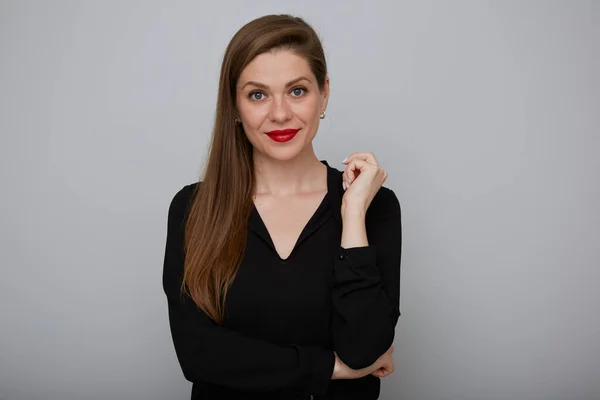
column 282, row 132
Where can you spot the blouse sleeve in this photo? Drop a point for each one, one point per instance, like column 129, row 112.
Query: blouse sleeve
column 366, row 287
column 212, row 353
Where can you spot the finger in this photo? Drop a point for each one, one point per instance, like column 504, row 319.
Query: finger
column 350, row 172
column 379, row 373
column 353, row 169
column 345, row 176
column 356, row 166
column 382, row 372
column 388, row 370
column 365, row 156
column 345, row 181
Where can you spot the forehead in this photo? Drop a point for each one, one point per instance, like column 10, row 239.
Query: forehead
column 275, row 68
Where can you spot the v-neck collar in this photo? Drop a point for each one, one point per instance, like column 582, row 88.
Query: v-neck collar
column 329, row 207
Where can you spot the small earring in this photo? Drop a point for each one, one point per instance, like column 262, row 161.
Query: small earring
column 236, row 121
column 322, row 115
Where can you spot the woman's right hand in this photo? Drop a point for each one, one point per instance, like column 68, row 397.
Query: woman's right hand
column 383, row 363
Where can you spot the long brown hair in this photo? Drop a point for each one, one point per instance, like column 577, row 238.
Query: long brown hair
column 217, row 223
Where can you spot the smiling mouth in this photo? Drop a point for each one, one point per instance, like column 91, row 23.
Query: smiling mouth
column 283, row 135
column 282, row 132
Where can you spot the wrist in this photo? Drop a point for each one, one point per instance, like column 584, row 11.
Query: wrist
column 353, row 212
column 354, row 233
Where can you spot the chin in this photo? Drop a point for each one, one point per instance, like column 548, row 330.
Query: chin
column 282, row 154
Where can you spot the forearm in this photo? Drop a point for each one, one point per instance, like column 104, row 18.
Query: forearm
column 366, row 282
column 360, row 341
column 354, row 231
column 207, row 352
column 343, row 371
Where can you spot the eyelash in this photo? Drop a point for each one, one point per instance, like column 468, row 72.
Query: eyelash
column 304, row 89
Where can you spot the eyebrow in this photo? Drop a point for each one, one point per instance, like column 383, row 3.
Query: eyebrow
column 263, row 86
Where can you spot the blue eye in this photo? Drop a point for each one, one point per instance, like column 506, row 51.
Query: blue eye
column 298, row 91
column 256, row 95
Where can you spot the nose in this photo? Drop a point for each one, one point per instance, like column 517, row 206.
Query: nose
column 280, row 111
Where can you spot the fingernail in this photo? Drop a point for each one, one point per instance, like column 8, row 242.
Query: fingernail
column 344, row 185
column 345, row 159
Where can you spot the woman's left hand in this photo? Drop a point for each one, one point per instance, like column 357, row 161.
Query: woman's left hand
column 386, row 364
column 363, row 177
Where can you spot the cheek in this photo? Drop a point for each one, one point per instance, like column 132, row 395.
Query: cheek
column 309, row 109
column 252, row 115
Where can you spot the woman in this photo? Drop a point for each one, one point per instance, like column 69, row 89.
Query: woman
column 281, row 272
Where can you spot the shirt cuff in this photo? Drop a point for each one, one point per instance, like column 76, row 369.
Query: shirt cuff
column 363, row 256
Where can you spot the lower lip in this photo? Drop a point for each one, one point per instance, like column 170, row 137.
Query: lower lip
column 283, row 138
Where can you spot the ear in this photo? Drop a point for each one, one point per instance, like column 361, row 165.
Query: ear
column 324, row 95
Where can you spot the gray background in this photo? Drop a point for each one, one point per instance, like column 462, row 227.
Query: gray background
column 485, row 113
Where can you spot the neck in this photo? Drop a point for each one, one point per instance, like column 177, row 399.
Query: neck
column 302, row 174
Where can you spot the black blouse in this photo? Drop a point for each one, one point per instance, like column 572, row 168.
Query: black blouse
column 284, row 318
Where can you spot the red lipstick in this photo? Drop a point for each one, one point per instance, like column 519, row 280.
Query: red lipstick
column 283, row 135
